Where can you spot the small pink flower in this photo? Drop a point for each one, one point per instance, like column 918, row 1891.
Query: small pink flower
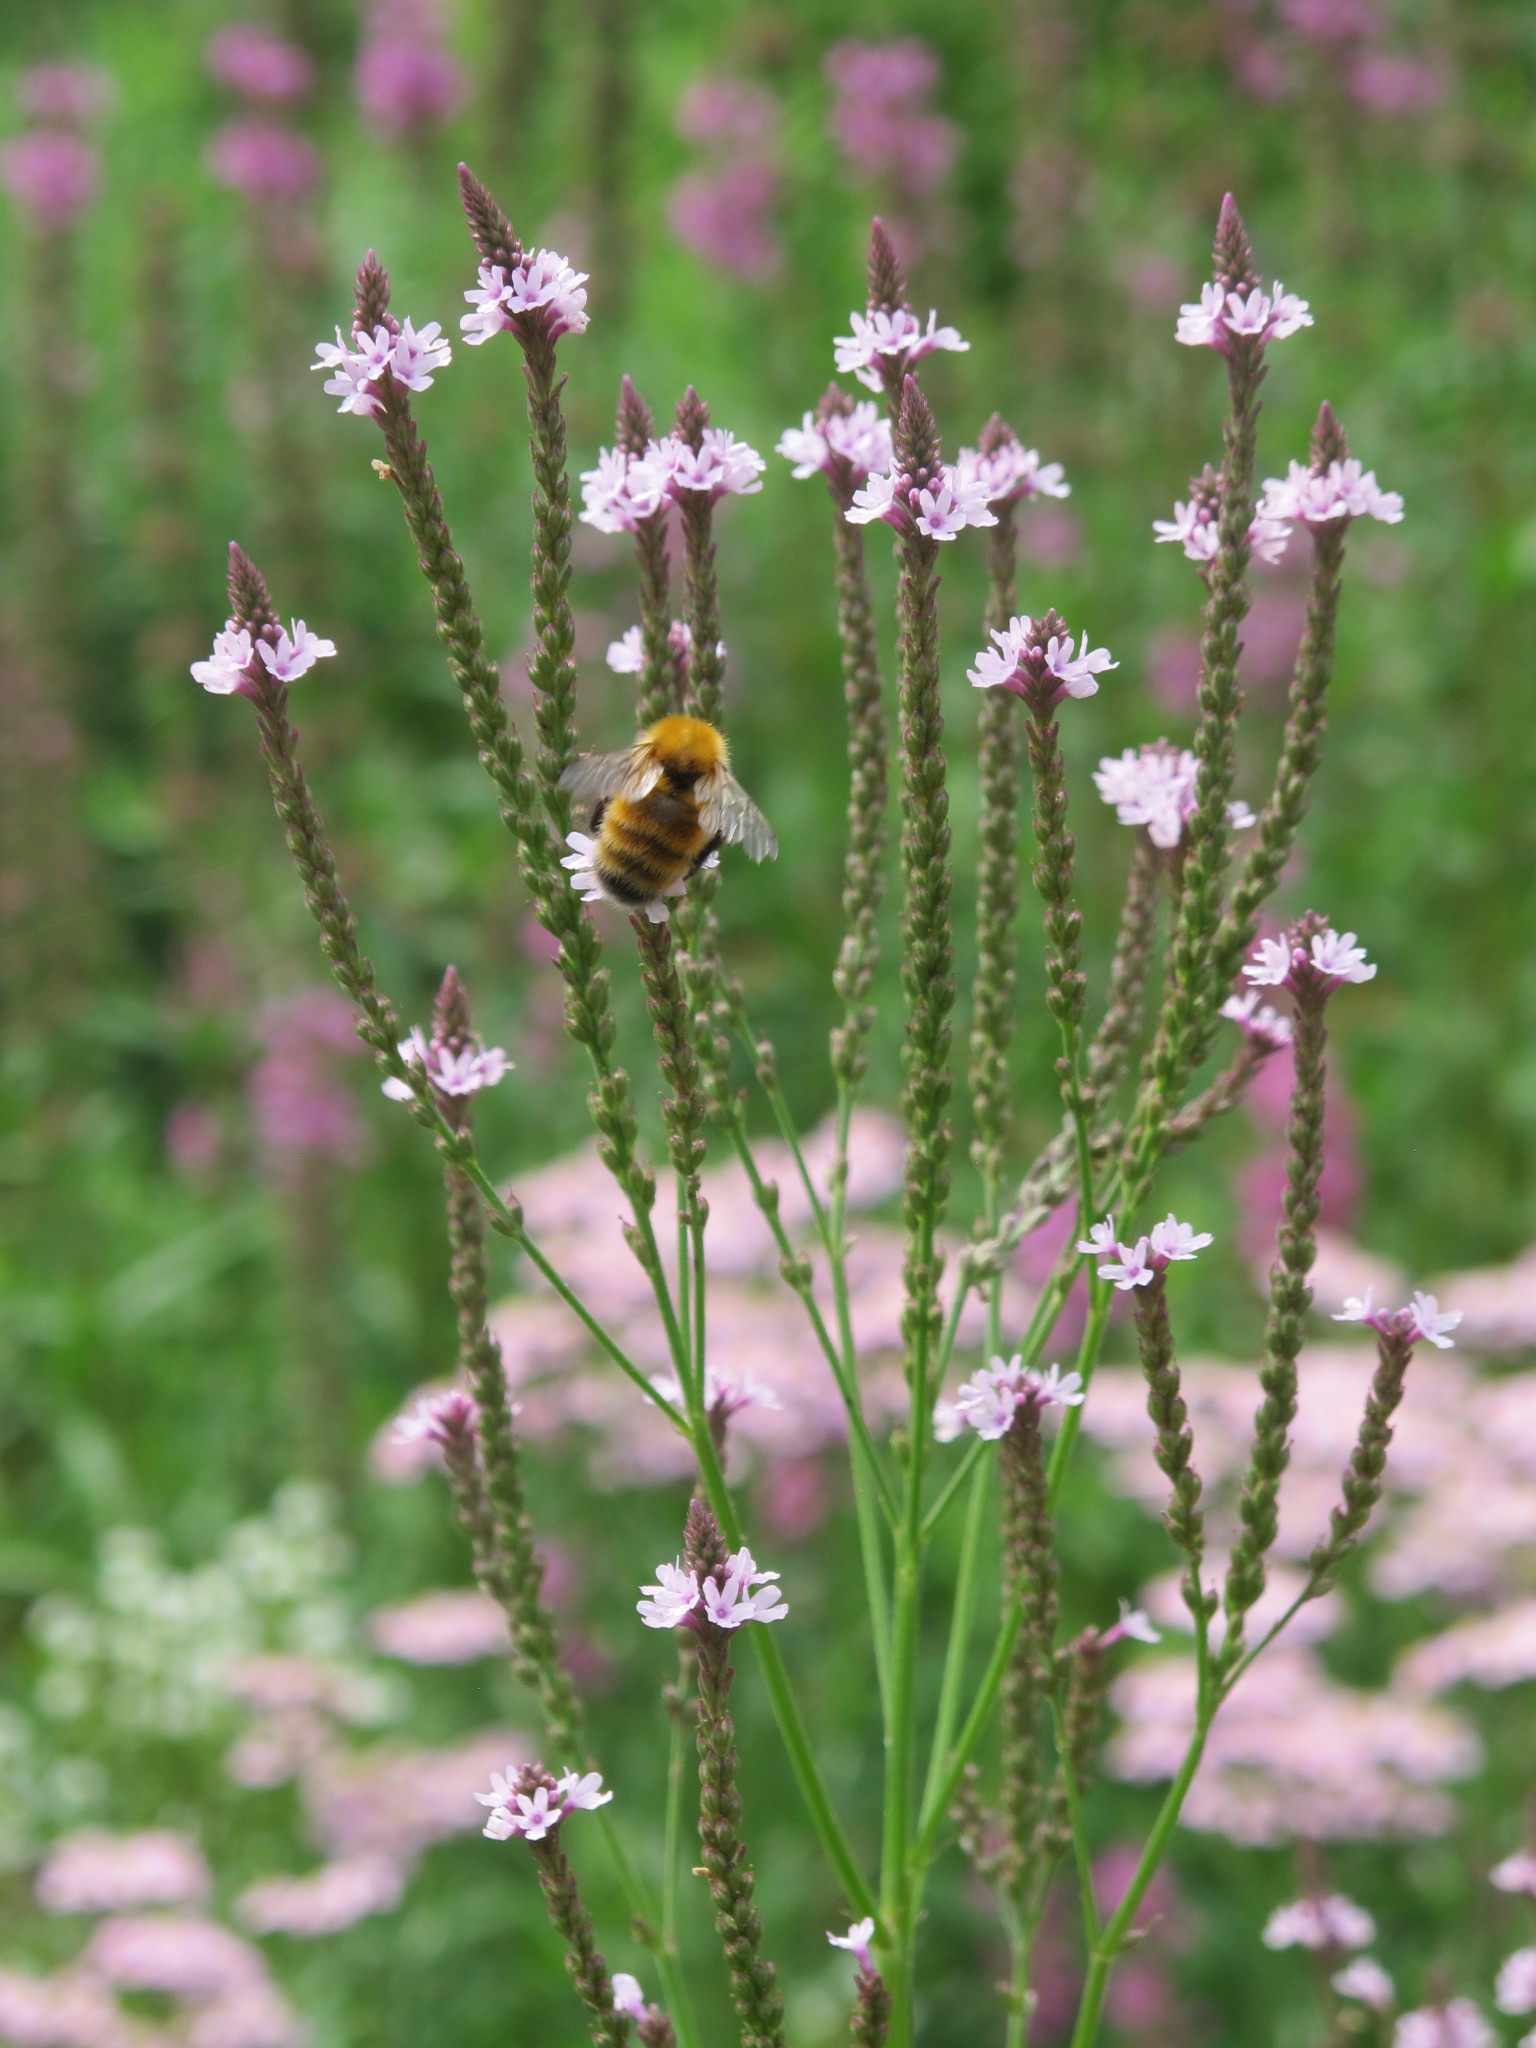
column 542, row 285
column 620, row 492
column 1421, row 1321
column 74, row 95
column 405, row 83
column 1132, row 1627
column 861, row 440
column 1257, row 315
column 295, row 653
column 673, row 1597
column 628, row 1998
column 1457, row 2025
column 1367, row 1982
column 440, row 1419
column 1025, row 653
column 857, row 1941
column 248, row 60
column 1171, row 1241
column 1515, row 1990
column 51, row 175
column 224, row 672
column 536, row 1814
column 415, row 356
column 1261, row 1025
column 451, row 1073
column 256, row 156
column 1320, row 967
column 897, row 339
column 1516, row 1873
column 1320, row 1923
column 1010, row 474
column 1343, row 491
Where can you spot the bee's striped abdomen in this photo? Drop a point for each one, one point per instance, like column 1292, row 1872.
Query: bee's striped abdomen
column 646, row 848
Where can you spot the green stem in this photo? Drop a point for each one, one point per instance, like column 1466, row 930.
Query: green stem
column 963, row 1612
column 1074, row 1798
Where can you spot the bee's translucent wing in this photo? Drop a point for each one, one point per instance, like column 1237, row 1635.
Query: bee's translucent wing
column 725, row 807
column 631, row 773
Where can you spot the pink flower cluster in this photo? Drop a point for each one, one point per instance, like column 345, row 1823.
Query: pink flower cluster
column 1220, row 316
column 51, row 170
column 989, row 1402
column 940, row 509
column 1349, row 32
column 401, row 353
column 405, row 80
column 92, row 1871
column 1032, row 661
column 1262, row 1026
column 542, row 296
column 677, row 1600
column 624, row 489
column 723, row 1397
column 1457, row 2024
column 1421, row 1321
column 1320, row 1923
column 722, row 211
column 441, row 1419
column 255, row 153
column 626, row 655
column 291, row 654
column 1342, row 491
column 884, row 346
column 882, row 121
column 465, row 1072
column 1195, row 526
column 854, row 445
column 1167, row 1243
column 1309, row 970
column 300, row 1103
column 1011, row 473
column 521, row 1806
column 1155, row 787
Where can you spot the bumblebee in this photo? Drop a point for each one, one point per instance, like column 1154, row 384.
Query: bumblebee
column 661, row 810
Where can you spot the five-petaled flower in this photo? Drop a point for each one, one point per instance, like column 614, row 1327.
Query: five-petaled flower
column 224, row 672
column 989, row 1402
column 542, row 293
column 464, row 1072
column 855, row 444
column 523, row 1805
column 941, row 509
column 857, row 1941
column 1255, row 315
column 1034, row 659
column 721, row 466
column 678, row 1600
column 358, row 368
column 291, row 653
column 1420, row 1322
column 885, row 345
column 1167, row 1243
column 1195, row 525
column 1312, row 969
column 1319, row 497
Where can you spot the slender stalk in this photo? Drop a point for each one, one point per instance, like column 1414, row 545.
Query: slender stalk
column 962, row 1612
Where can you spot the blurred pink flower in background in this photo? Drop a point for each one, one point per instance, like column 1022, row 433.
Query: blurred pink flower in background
column 74, row 95
column 890, row 137
column 440, row 1628
column 406, row 79
column 262, row 159
column 194, row 1139
column 337, row 1895
column 258, row 65
column 1386, row 83
column 186, row 1958
column 92, row 1871
column 300, row 1102
column 1050, row 536
column 1331, row 21
column 51, row 174
column 722, row 211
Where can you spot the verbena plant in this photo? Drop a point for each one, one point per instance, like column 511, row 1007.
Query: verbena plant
column 1189, row 967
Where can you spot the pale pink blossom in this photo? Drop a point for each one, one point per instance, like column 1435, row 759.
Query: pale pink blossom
column 1331, row 958
column 876, row 500
column 1010, row 473
column 1100, row 1238
column 859, row 441
column 535, row 1815
column 51, row 175
column 672, row 1599
column 628, row 1998
column 1515, row 1990
column 1196, row 528
column 1457, row 2025
column 1156, row 787
column 724, row 215
column 1421, row 1321
column 1367, row 1982
column 440, row 1628
column 1320, row 1923
column 1131, row 1268
column 1258, row 315
column 300, row 1101
column 724, row 1395
column 1386, row 82
column 260, row 66
column 262, row 159
column 744, row 1594
column 857, row 1941
column 415, row 356
column 186, row 1958
column 1260, row 1024
column 881, row 119
column 1516, row 1873
column 990, row 1401
column 1024, row 654
column 1342, row 491
column 721, row 466
column 294, row 653
column 74, row 95
column 92, row 1871
column 438, row 1419
column 1172, row 1240
column 65, row 2011
column 892, row 343
column 620, row 492
column 406, row 82
column 543, row 285
column 355, row 367
column 252, row 2016
column 337, row 1895
column 465, row 1072
column 1133, row 1627
column 224, row 672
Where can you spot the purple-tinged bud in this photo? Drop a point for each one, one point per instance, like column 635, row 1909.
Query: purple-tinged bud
column 835, row 404
column 916, row 439
column 996, row 435
column 1232, row 257
column 1329, row 444
column 635, row 425
column 250, row 604
column 705, row 1549
column 887, row 279
column 371, row 298
column 451, row 1026
column 691, row 419
column 492, row 231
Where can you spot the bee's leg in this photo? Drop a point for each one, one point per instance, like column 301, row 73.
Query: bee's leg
column 714, row 846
